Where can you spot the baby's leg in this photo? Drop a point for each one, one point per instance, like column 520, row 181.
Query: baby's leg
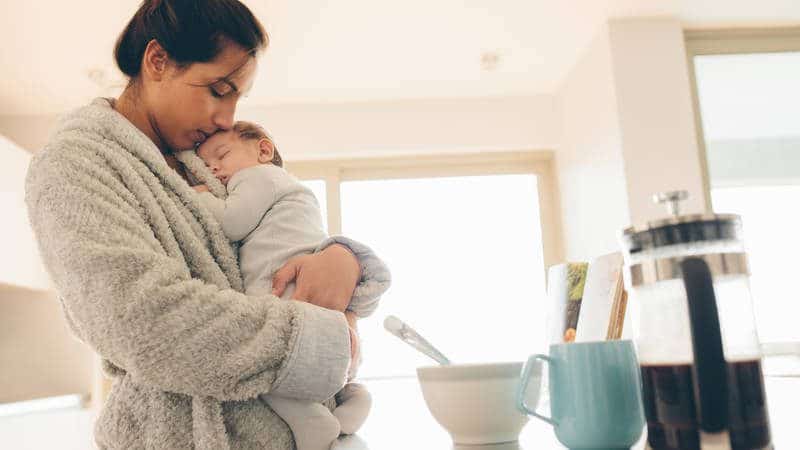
column 312, row 424
column 354, row 404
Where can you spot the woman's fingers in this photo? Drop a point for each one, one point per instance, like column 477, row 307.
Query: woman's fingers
column 285, row 275
column 325, row 279
column 302, row 289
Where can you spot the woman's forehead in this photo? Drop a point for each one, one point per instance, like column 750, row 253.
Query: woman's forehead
column 232, row 64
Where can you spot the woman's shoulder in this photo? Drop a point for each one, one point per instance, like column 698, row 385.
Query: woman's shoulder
column 73, row 144
column 80, row 133
column 88, row 120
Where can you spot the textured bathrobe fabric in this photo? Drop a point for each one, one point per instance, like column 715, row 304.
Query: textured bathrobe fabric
column 148, row 280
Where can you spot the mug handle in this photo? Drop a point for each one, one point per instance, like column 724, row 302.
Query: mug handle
column 523, row 387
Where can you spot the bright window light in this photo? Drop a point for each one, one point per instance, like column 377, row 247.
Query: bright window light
column 749, row 105
column 467, row 267
column 772, row 236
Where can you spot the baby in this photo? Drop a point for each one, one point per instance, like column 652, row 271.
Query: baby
column 276, row 218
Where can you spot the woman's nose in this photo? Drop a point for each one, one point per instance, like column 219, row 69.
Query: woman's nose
column 223, row 119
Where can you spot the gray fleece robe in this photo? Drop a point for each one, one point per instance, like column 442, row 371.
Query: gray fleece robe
column 147, row 278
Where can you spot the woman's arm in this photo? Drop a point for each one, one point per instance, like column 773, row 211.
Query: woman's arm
column 133, row 299
column 375, row 278
column 342, row 274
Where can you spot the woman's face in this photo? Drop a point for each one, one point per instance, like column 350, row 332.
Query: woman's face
column 187, row 105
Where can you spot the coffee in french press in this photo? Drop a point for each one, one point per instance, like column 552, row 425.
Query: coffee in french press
column 654, row 276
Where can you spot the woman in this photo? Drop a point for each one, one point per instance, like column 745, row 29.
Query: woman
column 145, row 274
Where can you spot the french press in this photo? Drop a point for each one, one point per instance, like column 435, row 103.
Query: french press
column 688, row 281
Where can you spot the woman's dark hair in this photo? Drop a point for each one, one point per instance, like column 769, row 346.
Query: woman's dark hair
column 189, row 30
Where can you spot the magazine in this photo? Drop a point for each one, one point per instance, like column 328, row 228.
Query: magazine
column 588, row 301
column 604, row 300
column 565, row 283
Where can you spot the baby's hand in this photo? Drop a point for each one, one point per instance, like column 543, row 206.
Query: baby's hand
column 201, row 188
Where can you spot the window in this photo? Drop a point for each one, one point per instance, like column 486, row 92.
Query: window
column 748, row 101
column 772, row 237
column 318, row 188
column 467, row 248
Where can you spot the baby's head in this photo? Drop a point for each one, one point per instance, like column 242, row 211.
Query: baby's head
column 243, row 146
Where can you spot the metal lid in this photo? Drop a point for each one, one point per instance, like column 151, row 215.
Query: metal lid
column 653, row 271
column 681, row 229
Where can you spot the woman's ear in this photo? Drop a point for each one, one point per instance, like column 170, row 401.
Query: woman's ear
column 266, row 151
column 155, row 60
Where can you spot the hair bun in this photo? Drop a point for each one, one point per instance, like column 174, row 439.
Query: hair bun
column 190, row 31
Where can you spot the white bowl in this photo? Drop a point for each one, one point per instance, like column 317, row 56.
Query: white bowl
column 476, row 403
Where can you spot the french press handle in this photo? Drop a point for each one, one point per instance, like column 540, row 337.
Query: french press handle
column 709, row 370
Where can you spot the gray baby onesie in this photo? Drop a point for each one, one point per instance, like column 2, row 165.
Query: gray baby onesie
column 275, row 217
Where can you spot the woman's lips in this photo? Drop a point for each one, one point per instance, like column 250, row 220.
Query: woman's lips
column 198, row 136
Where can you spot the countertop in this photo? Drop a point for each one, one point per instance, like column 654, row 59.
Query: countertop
column 400, row 420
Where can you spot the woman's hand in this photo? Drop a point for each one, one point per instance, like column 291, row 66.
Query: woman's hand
column 200, row 188
column 325, row 279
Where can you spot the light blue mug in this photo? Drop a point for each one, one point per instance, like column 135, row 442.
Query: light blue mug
column 595, row 394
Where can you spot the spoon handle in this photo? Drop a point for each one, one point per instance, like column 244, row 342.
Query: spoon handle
column 408, row 335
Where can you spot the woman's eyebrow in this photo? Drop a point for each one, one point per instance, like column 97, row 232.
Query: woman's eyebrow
column 227, row 78
column 215, row 81
column 218, row 80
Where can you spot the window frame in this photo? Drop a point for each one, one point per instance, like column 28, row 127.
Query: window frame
column 729, row 41
column 734, row 41
column 536, row 162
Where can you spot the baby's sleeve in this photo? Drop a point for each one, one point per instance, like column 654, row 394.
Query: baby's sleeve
column 214, row 204
column 375, row 276
column 251, row 193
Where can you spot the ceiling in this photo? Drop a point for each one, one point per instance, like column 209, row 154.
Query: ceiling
column 56, row 55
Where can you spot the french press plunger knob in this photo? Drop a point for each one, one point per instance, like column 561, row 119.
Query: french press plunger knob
column 672, row 199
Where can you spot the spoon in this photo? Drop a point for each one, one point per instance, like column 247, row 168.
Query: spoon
column 407, row 334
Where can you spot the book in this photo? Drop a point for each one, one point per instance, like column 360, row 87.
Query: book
column 565, row 289
column 604, row 303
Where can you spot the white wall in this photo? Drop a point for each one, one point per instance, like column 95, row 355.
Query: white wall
column 39, row 357
column 19, row 262
column 656, row 115
column 329, row 130
column 29, row 132
column 628, row 133
column 589, row 160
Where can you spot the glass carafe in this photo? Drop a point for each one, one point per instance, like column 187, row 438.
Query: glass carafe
column 654, row 277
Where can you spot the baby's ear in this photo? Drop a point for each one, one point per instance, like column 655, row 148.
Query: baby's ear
column 266, row 151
